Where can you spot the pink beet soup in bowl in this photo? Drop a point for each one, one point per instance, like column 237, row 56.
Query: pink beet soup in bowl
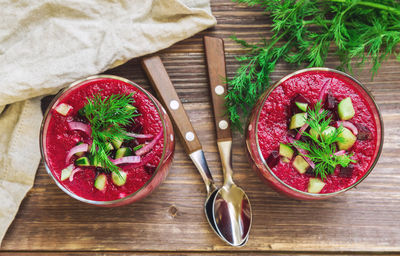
column 143, row 159
column 274, row 133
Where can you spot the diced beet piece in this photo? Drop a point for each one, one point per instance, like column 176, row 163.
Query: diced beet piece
column 130, row 143
column 150, row 169
column 346, row 172
column 294, row 109
column 292, row 133
column 82, row 119
column 310, row 172
column 305, row 139
column 273, row 159
column 331, row 102
column 363, row 132
column 333, row 115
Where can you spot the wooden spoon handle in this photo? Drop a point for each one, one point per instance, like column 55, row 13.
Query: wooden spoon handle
column 161, row 82
column 214, row 49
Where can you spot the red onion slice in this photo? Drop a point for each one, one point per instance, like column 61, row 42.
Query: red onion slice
column 149, row 146
column 81, row 127
column 340, row 153
column 140, row 136
column 74, row 171
column 302, row 129
column 77, row 149
column 322, row 93
column 303, row 152
column 126, row 160
column 349, row 126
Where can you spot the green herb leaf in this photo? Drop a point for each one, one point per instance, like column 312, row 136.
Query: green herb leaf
column 321, row 149
column 304, row 32
column 108, row 117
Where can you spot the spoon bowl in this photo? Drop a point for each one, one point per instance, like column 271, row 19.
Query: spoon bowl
column 232, row 214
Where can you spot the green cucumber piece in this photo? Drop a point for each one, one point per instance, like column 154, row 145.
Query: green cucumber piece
column 301, row 106
column 95, row 162
column 138, row 147
column 300, row 164
column 66, row 172
column 346, row 109
column 121, row 152
column 117, row 143
column 117, row 179
column 130, row 107
column 315, row 185
column 314, row 133
column 286, row 152
column 298, row 120
column 82, row 161
column 348, row 139
column 79, row 153
column 109, row 146
column 63, row 109
column 100, row 181
column 328, row 132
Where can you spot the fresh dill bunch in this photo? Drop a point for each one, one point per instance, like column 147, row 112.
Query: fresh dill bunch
column 304, row 32
column 108, row 117
column 321, row 148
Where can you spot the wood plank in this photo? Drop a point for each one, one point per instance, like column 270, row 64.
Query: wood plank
column 171, row 219
column 187, row 253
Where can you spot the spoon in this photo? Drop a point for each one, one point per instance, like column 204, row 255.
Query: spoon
column 231, row 209
column 161, row 82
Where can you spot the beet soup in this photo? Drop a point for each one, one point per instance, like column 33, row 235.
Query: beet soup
column 105, row 141
column 315, row 133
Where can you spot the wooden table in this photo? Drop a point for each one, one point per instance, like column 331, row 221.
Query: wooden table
column 171, row 221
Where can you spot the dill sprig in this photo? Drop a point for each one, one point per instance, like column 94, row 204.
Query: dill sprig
column 108, row 117
column 303, row 33
column 321, row 148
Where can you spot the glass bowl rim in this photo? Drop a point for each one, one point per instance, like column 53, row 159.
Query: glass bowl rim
column 279, row 82
column 76, row 84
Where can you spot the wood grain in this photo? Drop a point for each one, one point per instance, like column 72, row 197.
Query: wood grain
column 216, row 69
column 365, row 219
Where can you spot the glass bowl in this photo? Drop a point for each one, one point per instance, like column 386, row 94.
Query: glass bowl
column 258, row 162
column 161, row 170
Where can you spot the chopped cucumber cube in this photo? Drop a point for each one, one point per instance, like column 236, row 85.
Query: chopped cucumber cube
column 328, row 132
column 64, row 109
column 95, row 162
column 109, row 146
column 298, row 120
column 79, row 153
column 346, row 109
column 130, row 107
column 138, row 147
column 315, row 185
column 119, row 180
column 314, row 133
column 348, row 139
column 286, row 152
column 82, row 161
column 66, row 172
column 301, row 106
column 117, row 143
column 121, row 152
column 100, row 181
column 300, row 164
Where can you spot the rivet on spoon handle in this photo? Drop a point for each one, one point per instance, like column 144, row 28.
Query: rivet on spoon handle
column 214, row 48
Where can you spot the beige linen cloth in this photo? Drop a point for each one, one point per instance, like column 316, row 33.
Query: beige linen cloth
column 46, row 44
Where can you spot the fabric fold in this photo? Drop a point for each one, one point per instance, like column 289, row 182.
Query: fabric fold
column 47, row 44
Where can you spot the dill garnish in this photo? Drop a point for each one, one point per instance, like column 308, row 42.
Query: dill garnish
column 108, row 117
column 321, row 148
column 303, row 33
